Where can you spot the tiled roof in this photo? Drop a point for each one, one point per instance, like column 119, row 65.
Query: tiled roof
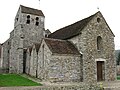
column 61, row 46
column 33, row 11
column 71, row 30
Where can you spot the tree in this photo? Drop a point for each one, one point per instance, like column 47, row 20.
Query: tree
column 118, row 59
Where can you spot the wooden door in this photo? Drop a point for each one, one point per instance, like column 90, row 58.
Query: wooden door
column 100, row 70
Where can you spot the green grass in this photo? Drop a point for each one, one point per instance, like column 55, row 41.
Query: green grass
column 118, row 77
column 15, row 80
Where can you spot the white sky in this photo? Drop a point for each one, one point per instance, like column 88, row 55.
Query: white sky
column 60, row 13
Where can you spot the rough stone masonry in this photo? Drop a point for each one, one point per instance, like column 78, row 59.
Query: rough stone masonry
column 80, row 52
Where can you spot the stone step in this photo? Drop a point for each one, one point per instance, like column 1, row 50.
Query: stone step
column 115, row 85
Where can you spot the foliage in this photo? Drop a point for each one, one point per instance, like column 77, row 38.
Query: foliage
column 118, row 77
column 118, row 60
column 15, row 80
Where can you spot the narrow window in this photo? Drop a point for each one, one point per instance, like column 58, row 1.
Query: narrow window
column 99, row 43
column 46, row 35
column 37, row 18
column 8, row 51
column 28, row 22
column 21, row 26
column 43, row 55
column 28, row 19
column 28, row 16
column 37, row 21
column 16, row 19
column 81, row 67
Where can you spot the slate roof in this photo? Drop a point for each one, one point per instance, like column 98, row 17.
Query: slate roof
column 33, row 11
column 61, row 46
column 71, row 30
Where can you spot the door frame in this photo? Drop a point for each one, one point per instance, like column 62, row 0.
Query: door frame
column 103, row 68
column 100, row 74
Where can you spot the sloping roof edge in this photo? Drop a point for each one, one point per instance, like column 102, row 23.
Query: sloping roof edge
column 106, row 23
column 71, row 30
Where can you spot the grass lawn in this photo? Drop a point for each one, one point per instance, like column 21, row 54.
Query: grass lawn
column 15, row 80
column 118, row 77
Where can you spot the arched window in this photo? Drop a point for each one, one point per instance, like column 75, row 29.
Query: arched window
column 28, row 16
column 37, row 18
column 99, row 43
column 28, row 19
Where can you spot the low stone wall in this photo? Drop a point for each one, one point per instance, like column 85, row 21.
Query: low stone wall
column 80, row 87
column 118, row 69
column 3, row 70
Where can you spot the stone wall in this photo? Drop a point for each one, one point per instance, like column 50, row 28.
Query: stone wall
column 13, row 67
column 44, row 55
column 5, row 52
column 30, row 32
column 58, row 67
column 28, row 58
column 1, row 59
column 100, row 29
column 86, row 42
column 64, row 68
column 118, row 69
column 3, row 70
column 33, row 62
column 24, row 35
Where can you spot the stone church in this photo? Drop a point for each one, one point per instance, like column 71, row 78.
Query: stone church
column 80, row 52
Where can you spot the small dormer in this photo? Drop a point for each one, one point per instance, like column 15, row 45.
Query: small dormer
column 29, row 16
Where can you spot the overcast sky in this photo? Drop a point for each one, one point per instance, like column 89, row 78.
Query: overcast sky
column 60, row 13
